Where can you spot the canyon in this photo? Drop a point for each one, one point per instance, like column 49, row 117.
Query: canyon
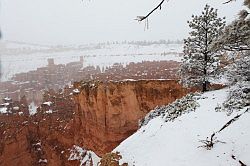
column 107, row 113
column 96, row 115
column 55, row 76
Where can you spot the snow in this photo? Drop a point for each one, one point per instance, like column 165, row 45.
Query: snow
column 76, row 91
column 173, row 110
column 7, row 99
column 5, row 104
column 49, row 111
column 16, row 108
column 32, row 108
column 42, row 161
column 3, row 110
column 48, row 103
column 84, row 156
column 129, row 79
column 176, row 143
column 38, row 144
column 238, row 98
column 20, row 113
column 27, row 58
column 25, row 122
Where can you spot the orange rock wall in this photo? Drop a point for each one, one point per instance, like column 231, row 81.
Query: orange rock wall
column 27, row 144
column 108, row 113
column 104, row 115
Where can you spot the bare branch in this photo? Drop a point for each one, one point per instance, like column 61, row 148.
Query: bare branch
column 241, row 163
column 209, row 143
column 228, row 1
column 141, row 18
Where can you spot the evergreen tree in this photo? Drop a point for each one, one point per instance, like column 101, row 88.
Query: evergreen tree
column 236, row 36
column 201, row 60
column 239, row 70
column 236, row 41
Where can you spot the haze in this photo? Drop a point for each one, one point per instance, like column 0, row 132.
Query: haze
column 77, row 21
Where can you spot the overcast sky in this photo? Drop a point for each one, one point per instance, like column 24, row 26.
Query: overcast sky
column 84, row 21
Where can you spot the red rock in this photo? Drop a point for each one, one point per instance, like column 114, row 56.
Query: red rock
column 104, row 115
column 107, row 113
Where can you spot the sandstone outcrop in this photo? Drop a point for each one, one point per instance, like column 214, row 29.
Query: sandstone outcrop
column 107, row 113
column 41, row 139
column 93, row 115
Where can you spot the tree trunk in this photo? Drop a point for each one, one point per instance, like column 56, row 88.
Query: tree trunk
column 204, row 84
column 204, row 88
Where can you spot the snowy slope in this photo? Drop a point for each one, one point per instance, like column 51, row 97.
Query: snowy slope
column 176, row 143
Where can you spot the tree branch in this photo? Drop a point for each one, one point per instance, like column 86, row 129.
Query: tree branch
column 228, row 1
column 141, row 18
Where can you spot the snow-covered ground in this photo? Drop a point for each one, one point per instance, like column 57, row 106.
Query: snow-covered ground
column 85, row 157
column 176, row 143
column 21, row 57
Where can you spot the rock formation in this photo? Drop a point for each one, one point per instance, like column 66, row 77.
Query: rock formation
column 107, row 113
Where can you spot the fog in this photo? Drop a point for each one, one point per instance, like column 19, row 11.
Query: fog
column 81, row 21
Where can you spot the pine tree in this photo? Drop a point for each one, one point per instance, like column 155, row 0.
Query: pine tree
column 236, row 36
column 239, row 70
column 236, row 41
column 201, row 60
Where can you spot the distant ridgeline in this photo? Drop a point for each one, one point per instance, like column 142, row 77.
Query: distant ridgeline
column 33, row 83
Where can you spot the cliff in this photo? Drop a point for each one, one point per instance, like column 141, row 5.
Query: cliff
column 40, row 139
column 94, row 115
column 108, row 113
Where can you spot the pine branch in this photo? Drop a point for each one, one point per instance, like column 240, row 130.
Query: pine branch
column 141, row 18
column 235, row 48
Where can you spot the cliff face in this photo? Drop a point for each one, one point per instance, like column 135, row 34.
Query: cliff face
column 98, row 118
column 107, row 113
column 41, row 139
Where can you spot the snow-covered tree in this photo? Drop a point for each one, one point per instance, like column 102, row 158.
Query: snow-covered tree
column 235, row 39
column 239, row 70
column 201, row 61
column 236, row 36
